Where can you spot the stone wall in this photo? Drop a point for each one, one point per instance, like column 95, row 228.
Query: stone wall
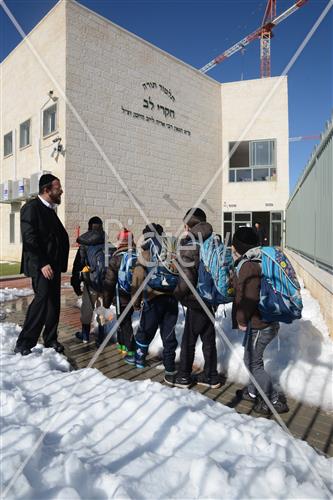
column 150, row 124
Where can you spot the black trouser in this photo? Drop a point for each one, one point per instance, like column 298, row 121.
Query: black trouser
column 44, row 310
column 197, row 323
column 160, row 312
column 125, row 334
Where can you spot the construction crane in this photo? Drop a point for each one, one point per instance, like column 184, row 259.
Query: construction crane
column 270, row 20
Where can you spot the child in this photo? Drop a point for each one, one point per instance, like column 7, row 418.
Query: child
column 197, row 323
column 94, row 237
column 112, row 292
column 159, row 308
column 246, row 317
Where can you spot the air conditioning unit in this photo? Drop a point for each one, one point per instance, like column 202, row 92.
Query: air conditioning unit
column 7, row 191
column 34, row 182
column 21, row 189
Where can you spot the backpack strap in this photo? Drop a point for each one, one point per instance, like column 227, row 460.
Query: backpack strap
column 243, row 261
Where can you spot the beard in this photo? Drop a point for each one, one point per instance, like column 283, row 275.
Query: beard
column 56, row 198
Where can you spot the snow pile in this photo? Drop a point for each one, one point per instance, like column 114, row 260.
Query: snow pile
column 102, row 438
column 14, row 293
column 300, row 360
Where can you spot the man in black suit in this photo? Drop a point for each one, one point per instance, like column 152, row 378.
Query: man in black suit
column 44, row 258
column 260, row 231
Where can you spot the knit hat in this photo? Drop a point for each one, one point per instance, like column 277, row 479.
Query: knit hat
column 46, row 179
column 244, row 239
column 94, row 221
column 194, row 216
column 125, row 237
column 153, row 228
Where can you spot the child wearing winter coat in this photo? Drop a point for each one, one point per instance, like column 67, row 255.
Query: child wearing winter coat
column 159, row 308
column 246, row 318
column 112, row 293
column 95, row 236
column 197, row 322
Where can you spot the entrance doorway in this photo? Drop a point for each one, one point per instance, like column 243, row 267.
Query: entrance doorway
column 263, row 218
column 270, row 222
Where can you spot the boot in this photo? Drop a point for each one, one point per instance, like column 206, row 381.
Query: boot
column 140, row 355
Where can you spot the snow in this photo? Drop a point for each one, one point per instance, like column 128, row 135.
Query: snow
column 300, row 360
column 14, row 293
column 95, row 438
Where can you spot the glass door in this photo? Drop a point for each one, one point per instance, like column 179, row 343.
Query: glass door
column 276, row 219
column 233, row 221
column 241, row 219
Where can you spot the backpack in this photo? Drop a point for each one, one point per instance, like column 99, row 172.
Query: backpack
column 163, row 256
column 125, row 272
column 280, row 292
column 215, row 272
column 97, row 265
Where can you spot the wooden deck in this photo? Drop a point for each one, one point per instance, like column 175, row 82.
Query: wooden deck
column 308, row 423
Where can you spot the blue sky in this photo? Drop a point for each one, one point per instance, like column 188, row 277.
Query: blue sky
column 196, row 31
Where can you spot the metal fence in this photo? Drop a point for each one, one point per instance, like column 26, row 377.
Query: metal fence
column 309, row 219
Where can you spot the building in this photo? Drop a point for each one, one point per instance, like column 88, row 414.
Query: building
column 134, row 134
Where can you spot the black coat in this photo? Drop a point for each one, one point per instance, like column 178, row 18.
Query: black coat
column 189, row 262
column 91, row 237
column 44, row 239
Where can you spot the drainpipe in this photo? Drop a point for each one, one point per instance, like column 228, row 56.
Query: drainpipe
column 15, row 154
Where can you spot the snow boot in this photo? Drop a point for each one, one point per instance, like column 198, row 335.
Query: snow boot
column 140, row 355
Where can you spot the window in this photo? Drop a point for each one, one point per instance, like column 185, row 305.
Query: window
column 25, row 134
column 8, row 144
column 252, row 161
column 49, row 120
column 11, row 228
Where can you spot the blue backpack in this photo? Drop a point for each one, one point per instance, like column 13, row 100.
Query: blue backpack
column 98, row 263
column 125, row 272
column 163, row 256
column 215, row 272
column 280, row 291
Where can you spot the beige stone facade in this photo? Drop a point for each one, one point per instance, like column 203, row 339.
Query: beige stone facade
column 132, row 117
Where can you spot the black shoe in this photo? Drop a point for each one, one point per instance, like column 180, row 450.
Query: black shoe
column 25, row 351
column 183, row 382
column 211, row 382
column 280, row 405
column 262, row 408
column 170, row 378
column 56, row 346
column 81, row 336
column 244, row 394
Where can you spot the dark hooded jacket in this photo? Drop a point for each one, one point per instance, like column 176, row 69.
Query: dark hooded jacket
column 189, row 258
column 111, row 280
column 91, row 237
column 247, row 284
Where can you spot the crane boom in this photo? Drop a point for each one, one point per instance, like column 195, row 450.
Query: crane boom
column 266, row 28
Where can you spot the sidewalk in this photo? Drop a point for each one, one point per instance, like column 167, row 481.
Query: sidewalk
column 308, row 423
